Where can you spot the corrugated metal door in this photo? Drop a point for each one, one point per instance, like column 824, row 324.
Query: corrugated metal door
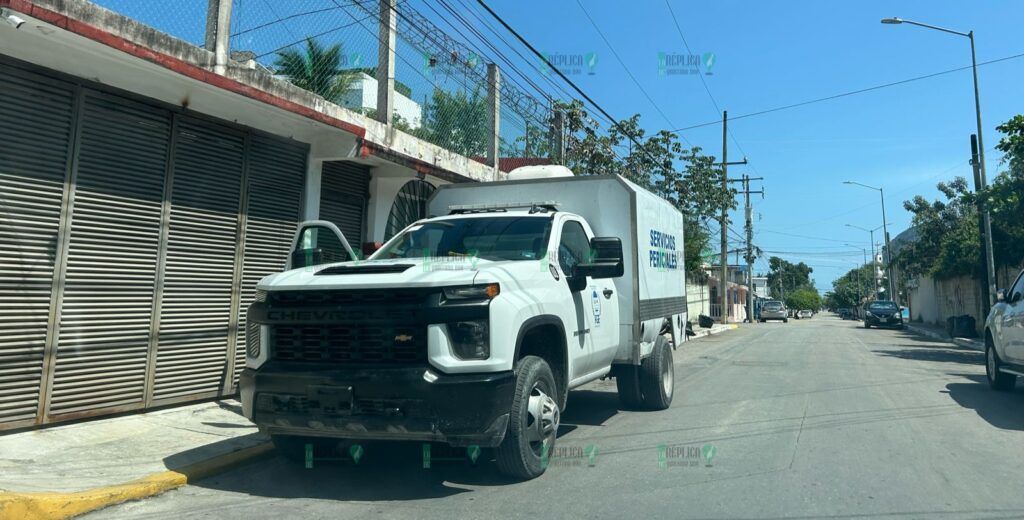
column 36, row 125
column 196, row 310
column 106, row 306
column 344, row 189
column 276, row 176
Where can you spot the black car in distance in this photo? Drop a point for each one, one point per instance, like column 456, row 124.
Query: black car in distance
column 882, row 313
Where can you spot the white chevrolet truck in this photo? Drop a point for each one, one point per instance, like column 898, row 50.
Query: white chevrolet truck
column 471, row 326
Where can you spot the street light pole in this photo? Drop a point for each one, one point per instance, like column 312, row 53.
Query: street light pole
column 871, row 233
column 990, row 265
column 888, row 250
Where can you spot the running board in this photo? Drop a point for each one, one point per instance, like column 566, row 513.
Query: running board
column 1008, row 371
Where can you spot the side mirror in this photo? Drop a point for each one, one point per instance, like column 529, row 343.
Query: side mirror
column 1001, row 295
column 606, row 261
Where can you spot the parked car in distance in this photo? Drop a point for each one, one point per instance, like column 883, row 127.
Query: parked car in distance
column 774, row 310
column 805, row 313
column 882, row 313
column 845, row 314
column 1004, row 337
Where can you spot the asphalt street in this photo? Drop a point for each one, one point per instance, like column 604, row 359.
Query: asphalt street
column 815, row 418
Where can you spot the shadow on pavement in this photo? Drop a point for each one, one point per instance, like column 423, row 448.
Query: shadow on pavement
column 393, row 470
column 1000, row 409
column 935, row 354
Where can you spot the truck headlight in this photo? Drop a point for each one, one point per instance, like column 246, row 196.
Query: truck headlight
column 470, row 339
column 472, row 292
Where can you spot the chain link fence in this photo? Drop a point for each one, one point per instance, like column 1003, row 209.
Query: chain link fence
column 330, row 48
column 182, row 19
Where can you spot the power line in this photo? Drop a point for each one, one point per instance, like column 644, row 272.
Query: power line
column 565, row 78
column 850, row 93
column 703, row 81
column 625, row 68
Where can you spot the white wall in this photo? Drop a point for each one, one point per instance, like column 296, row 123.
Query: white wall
column 363, row 95
column 385, row 182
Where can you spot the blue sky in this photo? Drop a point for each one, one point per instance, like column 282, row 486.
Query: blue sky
column 904, row 138
column 767, row 54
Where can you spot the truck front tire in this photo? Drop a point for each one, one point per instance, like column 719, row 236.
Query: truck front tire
column 533, row 421
column 657, row 376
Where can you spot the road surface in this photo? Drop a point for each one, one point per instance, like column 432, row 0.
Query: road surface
column 815, row 418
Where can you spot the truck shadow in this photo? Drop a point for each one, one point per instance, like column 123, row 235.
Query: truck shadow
column 395, row 471
column 1000, row 409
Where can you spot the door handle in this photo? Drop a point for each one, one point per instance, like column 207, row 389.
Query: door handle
column 608, row 293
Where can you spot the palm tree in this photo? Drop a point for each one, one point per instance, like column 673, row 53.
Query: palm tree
column 318, row 69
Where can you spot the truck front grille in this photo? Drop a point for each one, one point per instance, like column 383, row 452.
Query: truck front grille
column 351, row 343
column 366, row 326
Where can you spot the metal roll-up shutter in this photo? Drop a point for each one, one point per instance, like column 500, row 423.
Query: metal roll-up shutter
column 276, row 177
column 112, row 252
column 344, row 189
column 195, row 317
column 35, row 130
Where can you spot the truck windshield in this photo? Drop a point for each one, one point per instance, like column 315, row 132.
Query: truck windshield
column 490, row 238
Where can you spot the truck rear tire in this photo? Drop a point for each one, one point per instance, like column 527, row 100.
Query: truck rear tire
column 533, row 421
column 627, row 382
column 657, row 376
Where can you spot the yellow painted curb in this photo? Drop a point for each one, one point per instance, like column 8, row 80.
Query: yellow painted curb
column 51, row 505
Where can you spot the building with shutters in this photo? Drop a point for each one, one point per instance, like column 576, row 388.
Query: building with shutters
column 142, row 196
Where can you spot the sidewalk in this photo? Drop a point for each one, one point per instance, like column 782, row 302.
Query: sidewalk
column 717, row 328
column 936, row 332
column 62, row 471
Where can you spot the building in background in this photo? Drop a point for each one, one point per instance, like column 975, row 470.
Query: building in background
column 143, row 195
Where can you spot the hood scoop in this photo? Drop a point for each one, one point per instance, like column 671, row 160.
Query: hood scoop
column 364, row 269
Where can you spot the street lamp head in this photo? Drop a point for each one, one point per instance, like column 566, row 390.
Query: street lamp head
column 892, row 21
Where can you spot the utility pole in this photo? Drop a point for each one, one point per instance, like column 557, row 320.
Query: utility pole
column 985, row 227
column 724, row 258
column 750, row 239
column 723, row 293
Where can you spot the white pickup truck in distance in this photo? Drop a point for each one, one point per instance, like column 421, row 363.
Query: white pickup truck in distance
column 470, row 327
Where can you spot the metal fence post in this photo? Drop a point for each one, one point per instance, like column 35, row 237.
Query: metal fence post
column 386, row 61
column 493, row 116
column 557, row 137
column 218, row 33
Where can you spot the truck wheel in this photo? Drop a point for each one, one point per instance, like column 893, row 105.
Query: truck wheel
column 657, row 376
column 997, row 380
column 533, row 421
column 627, row 382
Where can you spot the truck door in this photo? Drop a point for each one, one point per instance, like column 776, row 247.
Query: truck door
column 318, row 242
column 595, row 309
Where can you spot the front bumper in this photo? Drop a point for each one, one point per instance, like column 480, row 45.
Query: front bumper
column 891, row 321
column 378, row 403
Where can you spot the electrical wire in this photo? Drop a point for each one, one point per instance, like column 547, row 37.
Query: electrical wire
column 850, row 93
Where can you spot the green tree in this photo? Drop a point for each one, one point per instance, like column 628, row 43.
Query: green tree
column 316, row 69
column 456, row 121
column 804, row 298
column 852, row 288
column 785, row 278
